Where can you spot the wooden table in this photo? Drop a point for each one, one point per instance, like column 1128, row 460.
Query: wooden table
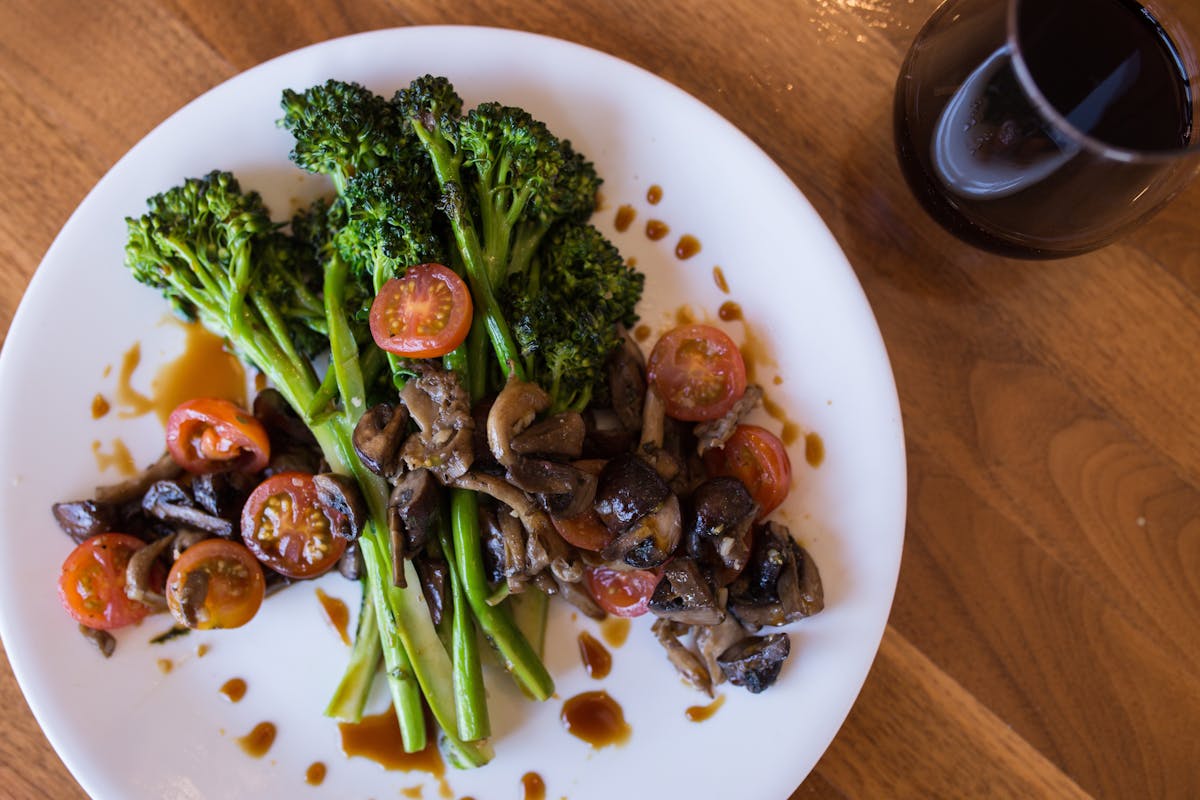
column 1045, row 633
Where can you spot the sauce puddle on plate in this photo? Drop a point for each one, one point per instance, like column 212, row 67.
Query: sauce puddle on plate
column 595, row 718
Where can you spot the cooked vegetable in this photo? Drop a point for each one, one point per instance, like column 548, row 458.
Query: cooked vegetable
column 699, row 372
column 286, row 527
column 213, row 435
column 423, row 314
column 215, row 584
column 622, row 593
column 755, row 661
column 758, row 459
column 92, row 583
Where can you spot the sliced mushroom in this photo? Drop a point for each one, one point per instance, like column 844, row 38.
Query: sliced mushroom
column 721, row 515
column 412, row 514
column 755, row 661
column 103, row 640
column 137, row 574
column 627, row 382
column 516, row 561
column 438, row 403
column 686, row 663
column 577, row 596
column 435, row 583
column 682, row 595
column 628, row 490
column 564, row 490
column 344, row 505
column 514, row 410
column 83, row 519
column 185, row 538
column 221, row 494
column 164, row 469
column 717, row 432
column 351, row 565
column 191, row 598
column 652, row 540
column 170, row 502
column 378, row 437
column 605, row 436
column 654, row 420
column 780, row 584
column 713, row 640
column 558, row 435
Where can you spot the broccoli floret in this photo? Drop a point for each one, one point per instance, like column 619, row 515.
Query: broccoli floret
column 566, row 312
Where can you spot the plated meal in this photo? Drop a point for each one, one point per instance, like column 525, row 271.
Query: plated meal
column 474, row 396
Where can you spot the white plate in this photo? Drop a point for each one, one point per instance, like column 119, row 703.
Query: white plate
column 126, row 730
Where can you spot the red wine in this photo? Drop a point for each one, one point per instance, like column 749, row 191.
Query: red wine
column 994, row 165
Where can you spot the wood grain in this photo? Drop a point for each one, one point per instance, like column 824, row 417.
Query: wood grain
column 1044, row 634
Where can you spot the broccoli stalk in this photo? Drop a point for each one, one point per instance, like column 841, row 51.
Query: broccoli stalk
column 214, row 252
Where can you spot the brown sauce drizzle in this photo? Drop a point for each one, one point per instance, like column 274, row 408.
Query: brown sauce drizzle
column 701, row 713
column 412, row 791
column 597, row 661
column 234, row 689
column 119, row 458
column 719, row 280
column 615, row 630
column 534, row 786
column 258, row 741
column 791, row 431
column 100, row 406
column 336, row 614
column 687, row 247
column 641, row 333
column 730, row 311
column 595, row 718
column 625, row 217
column 260, row 381
column 315, row 774
column 165, row 665
column 204, row 369
column 378, row 738
column 656, row 229
column 814, row 449
column 654, row 194
column 201, row 650
column 684, row 315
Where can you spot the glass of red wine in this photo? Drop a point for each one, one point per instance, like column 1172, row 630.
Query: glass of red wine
column 1047, row 128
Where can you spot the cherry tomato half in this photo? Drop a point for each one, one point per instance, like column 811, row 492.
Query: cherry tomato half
column 213, row 435
column 224, row 580
column 757, row 458
column 698, row 371
column 425, row 313
column 92, row 583
column 621, row 592
column 585, row 530
column 287, row 528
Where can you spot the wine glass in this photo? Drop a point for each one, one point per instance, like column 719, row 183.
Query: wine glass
column 1047, row 128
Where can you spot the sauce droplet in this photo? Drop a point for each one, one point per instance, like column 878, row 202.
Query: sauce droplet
column 100, row 406
column 260, row 381
column 684, row 315
column 625, row 217
column 791, row 431
column 654, row 194
column 131, row 402
column 719, row 280
column 656, row 229
column 615, row 630
column 336, row 614
column 378, row 738
column 258, row 741
column 165, row 665
column 234, row 689
column 315, row 774
column 701, row 713
column 641, row 333
column 412, row 791
column 534, row 786
column 119, row 458
column 814, row 449
column 687, row 247
column 595, row 718
column 597, row 661
column 201, row 650
column 729, row 311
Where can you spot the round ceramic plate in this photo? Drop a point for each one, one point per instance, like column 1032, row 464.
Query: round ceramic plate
column 127, row 729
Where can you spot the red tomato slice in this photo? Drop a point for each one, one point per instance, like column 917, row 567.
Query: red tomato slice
column 287, row 528
column 233, row 585
column 213, row 435
column 698, row 371
column 92, row 583
column 757, row 458
column 621, row 592
column 424, row 314
column 585, row 530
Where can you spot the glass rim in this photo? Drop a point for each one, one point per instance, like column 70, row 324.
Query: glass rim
column 1090, row 143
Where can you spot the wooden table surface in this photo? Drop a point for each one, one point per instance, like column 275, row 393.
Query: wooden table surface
column 1045, row 633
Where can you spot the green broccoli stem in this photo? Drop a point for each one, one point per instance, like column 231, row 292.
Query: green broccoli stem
column 352, row 691
column 470, row 694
